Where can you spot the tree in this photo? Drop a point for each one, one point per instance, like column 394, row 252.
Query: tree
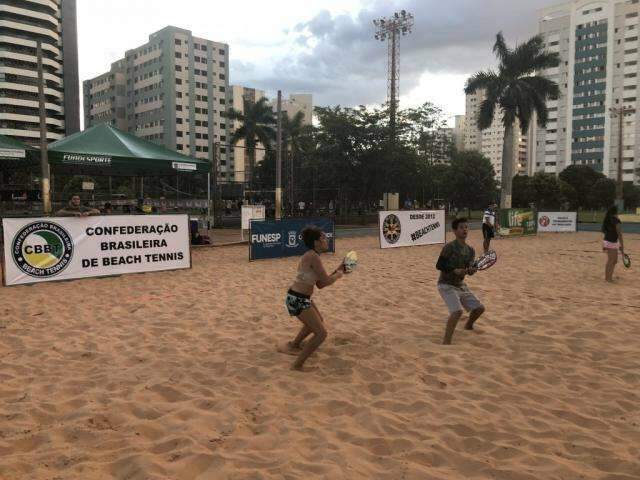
column 602, row 193
column 547, row 191
column 473, row 183
column 581, row 178
column 257, row 127
column 523, row 192
column 292, row 131
column 518, row 93
column 631, row 195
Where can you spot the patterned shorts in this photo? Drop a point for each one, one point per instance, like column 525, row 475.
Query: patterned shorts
column 297, row 303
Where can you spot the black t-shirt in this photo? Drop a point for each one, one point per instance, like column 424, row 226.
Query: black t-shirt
column 610, row 231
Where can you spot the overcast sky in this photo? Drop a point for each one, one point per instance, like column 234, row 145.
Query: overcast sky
column 322, row 47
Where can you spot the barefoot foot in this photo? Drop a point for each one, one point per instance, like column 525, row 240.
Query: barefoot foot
column 288, row 348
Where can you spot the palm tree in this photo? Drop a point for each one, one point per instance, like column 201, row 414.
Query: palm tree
column 257, row 127
column 518, row 92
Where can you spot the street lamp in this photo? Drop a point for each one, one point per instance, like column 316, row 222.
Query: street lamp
column 619, row 113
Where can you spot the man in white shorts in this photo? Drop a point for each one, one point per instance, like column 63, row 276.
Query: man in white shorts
column 454, row 263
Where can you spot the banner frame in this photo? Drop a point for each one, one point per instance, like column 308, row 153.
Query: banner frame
column 310, row 220
column 408, row 246
column 53, row 218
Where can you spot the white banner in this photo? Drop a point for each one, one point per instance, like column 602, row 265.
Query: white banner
column 406, row 228
column 48, row 249
column 557, row 221
column 12, row 153
column 251, row 212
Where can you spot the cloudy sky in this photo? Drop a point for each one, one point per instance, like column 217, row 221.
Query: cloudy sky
column 323, row 47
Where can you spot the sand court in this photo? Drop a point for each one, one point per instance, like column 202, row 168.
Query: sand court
column 174, row 375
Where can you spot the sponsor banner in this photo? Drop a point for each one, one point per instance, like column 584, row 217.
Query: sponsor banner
column 283, row 238
column 517, row 221
column 251, row 212
column 48, row 249
column 557, row 221
column 184, row 166
column 406, row 228
column 12, row 153
column 82, row 159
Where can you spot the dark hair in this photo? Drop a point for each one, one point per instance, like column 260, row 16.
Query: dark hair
column 310, row 235
column 608, row 218
column 458, row 221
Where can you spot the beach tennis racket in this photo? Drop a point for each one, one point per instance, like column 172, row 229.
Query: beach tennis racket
column 350, row 262
column 626, row 260
column 486, row 261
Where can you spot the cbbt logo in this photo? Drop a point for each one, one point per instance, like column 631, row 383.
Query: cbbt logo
column 544, row 221
column 293, row 239
column 42, row 249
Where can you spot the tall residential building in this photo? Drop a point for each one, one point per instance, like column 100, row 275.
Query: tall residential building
column 173, row 90
column 297, row 102
column 22, row 24
column 598, row 46
column 459, row 131
column 491, row 140
column 240, row 157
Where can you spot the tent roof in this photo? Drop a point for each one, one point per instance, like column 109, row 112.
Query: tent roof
column 104, row 147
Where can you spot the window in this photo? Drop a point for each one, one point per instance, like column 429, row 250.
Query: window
column 178, row 133
column 631, row 15
column 221, row 51
column 178, row 41
column 221, row 76
column 179, row 121
column 178, row 55
column 221, row 89
column 631, row 39
column 178, row 81
column 179, row 108
column 178, row 68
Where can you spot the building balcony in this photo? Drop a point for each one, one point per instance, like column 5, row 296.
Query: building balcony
column 39, row 16
column 23, row 42
column 32, row 29
column 15, row 117
column 21, row 87
column 16, row 102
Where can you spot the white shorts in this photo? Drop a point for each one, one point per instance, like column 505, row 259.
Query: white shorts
column 458, row 298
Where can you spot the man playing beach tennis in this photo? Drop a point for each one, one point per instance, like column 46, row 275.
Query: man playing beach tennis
column 488, row 226
column 454, row 263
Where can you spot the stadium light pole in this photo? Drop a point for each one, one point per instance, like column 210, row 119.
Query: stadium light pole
column 390, row 30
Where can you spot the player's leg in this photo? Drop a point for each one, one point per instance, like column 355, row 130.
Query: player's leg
column 472, row 305
column 313, row 321
column 612, row 259
column 450, row 296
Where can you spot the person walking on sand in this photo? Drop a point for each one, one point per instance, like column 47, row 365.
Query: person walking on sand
column 311, row 273
column 612, row 229
column 488, row 226
column 456, row 261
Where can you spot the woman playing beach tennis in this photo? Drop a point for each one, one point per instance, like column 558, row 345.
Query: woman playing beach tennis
column 612, row 229
column 311, row 273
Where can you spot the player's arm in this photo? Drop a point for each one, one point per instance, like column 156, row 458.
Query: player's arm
column 324, row 279
column 620, row 240
column 444, row 265
column 470, row 261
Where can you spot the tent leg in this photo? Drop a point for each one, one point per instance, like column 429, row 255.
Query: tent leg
column 110, row 192
column 141, row 187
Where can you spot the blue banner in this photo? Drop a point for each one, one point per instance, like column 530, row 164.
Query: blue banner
column 283, row 238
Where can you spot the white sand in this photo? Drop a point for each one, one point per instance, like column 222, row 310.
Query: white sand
column 174, row 375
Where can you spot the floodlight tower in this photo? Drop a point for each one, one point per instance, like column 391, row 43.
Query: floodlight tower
column 390, row 30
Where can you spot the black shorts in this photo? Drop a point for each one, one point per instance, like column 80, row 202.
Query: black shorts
column 487, row 232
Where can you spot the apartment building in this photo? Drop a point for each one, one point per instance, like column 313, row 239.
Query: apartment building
column 22, row 24
column 173, row 90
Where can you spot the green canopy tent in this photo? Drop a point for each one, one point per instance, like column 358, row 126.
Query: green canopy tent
column 105, row 150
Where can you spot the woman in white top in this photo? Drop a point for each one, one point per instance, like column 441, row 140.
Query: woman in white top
column 311, row 273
